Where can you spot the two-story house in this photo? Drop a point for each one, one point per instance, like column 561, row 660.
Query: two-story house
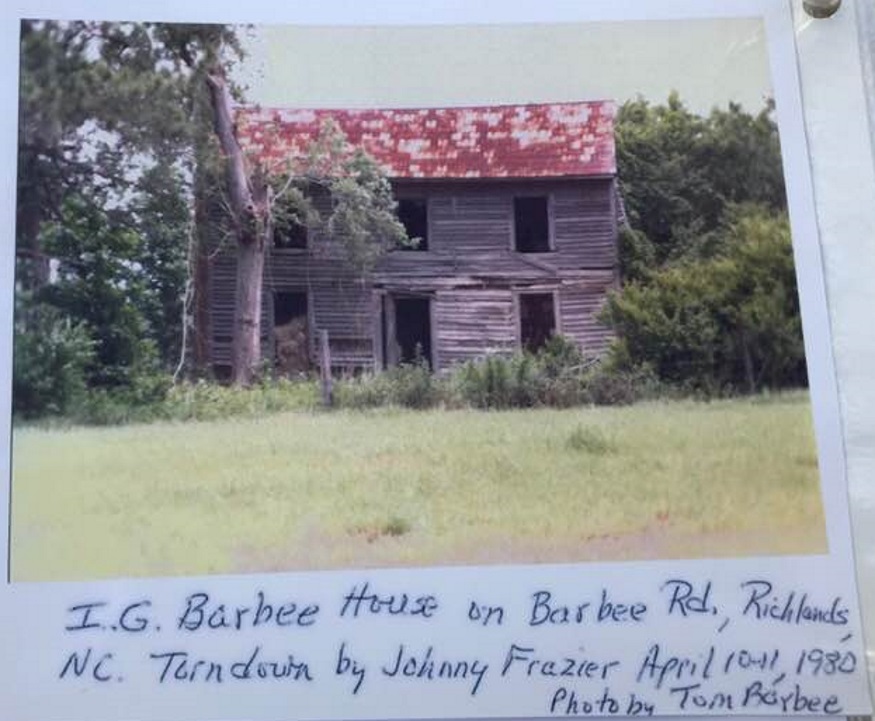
column 517, row 210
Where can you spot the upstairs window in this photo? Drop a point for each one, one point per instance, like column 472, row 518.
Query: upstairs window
column 413, row 214
column 531, row 224
column 290, row 233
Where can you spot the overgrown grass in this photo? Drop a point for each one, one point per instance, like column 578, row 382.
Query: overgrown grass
column 389, row 487
column 558, row 376
column 589, row 440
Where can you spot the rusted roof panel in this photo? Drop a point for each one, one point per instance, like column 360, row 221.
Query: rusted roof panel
column 504, row 141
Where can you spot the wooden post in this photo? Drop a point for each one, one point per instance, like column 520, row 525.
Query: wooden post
column 325, row 369
column 393, row 354
column 432, row 332
column 377, row 317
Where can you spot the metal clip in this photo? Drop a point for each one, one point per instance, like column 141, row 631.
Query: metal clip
column 821, row 8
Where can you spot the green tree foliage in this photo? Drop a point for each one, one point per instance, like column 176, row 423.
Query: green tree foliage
column 709, row 298
column 50, row 358
column 92, row 96
column 728, row 322
column 118, row 274
column 111, row 134
column 362, row 220
column 762, row 300
column 163, row 223
column 100, row 285
column 679, row 172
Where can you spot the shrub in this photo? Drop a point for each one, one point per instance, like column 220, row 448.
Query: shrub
column 410, row 385
column 524, row 381
column 50, row 358
column 722, row 323
column 365, row 391
column 486, row 383
column 200, row 401
column 286, row 394
column 560, row 356
column 552, row 377
column 203, row 400
column 491, row 383
column 558, row 376
column 101, row 407
column 607, row 385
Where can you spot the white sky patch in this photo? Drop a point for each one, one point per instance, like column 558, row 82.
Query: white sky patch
column 453, row 65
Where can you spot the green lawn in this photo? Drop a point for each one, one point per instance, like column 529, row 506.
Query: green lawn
column 392, row 487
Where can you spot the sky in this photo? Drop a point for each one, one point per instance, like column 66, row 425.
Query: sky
column 709, row 62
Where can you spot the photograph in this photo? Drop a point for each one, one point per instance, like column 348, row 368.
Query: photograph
column 316, row 297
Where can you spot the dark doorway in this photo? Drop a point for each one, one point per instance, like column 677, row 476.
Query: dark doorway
column 413, row 329
column 291, row 333
column 537, row 320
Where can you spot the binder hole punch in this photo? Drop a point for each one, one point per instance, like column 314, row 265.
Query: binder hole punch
column 821, row 8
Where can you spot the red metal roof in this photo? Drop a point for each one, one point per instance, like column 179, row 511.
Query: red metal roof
column 503, row 141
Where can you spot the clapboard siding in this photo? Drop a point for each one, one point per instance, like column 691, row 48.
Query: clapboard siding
column 472, row 324
column 467, row 218
column 338, row 298
column 462, row 224
column 580, row 305
column 338, row 302
column 585, row 226
column 470, row 271
column 433, row 270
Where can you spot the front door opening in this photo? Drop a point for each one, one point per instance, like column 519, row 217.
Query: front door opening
column 537, row 320
column 290, row 332
column 413, row 329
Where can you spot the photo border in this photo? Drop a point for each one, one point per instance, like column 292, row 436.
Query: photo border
column 837, row 563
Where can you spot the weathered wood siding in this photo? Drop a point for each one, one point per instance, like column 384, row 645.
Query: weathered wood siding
column 477, row 217
column 585, row 226
column 475, row 223
column 337, row 300
column 472, row 324
column 579, row 305
column 471, row 271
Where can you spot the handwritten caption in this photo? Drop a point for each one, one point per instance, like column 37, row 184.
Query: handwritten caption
column 670, row 651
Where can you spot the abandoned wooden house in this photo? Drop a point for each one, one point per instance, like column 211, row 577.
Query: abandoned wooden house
column 516, row 208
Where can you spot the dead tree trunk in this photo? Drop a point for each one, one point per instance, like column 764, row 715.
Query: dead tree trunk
column 246, row 338
column 249, row 196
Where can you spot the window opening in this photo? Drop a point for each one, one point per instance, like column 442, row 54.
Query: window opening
column 531, row 224
column 413, row 214
column 290, row 233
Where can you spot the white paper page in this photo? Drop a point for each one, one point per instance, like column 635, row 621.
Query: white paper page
column 698, row 630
